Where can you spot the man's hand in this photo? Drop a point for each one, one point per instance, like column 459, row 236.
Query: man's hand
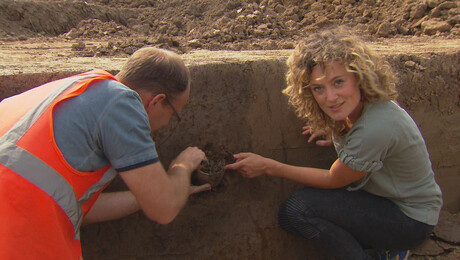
column 324, row 136
column 198, row 189
column 189, row 159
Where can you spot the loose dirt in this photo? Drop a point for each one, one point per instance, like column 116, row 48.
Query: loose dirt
column 122, row 26
column 75, row 30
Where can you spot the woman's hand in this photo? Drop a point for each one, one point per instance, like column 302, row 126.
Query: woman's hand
column 249, row 165
column 324, row 136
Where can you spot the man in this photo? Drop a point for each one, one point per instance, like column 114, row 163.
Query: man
column 63, row 142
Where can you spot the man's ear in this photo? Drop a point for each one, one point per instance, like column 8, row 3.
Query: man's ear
column 156, row 99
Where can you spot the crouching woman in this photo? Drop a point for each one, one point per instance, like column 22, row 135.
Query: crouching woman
column 380, row 193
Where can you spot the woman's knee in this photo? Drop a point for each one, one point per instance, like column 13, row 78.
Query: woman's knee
column 295, row 212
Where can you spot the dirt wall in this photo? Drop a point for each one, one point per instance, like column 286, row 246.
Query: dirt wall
column 233, row 107
column 237, row 106
column 430, row 91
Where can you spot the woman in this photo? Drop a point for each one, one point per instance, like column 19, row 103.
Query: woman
column 380, row 193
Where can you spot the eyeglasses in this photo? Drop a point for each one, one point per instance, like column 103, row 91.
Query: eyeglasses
column 170, row 103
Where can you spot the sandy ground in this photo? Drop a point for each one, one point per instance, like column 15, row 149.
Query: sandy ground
column 37, row 55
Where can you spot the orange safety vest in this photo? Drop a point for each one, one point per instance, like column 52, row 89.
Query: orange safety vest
column 42, row 198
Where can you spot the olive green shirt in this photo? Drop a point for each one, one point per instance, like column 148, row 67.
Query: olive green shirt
column 386, row 143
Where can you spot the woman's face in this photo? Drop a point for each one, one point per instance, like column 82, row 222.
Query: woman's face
column 337, row 91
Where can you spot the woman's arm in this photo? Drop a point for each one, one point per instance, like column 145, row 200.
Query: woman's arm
column 339, row 175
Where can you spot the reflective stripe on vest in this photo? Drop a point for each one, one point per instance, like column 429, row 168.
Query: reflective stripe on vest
column 40, row 173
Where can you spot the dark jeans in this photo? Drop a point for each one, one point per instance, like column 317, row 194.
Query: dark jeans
column 344, row 222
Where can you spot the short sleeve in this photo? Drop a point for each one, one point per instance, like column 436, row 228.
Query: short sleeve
column 125, row 133
column 106, row 124
column 368, row 142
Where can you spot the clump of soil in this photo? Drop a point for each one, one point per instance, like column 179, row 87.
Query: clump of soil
column 212, row 170
column 219, row 25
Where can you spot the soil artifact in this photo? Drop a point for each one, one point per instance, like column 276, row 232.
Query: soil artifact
column 210, row 172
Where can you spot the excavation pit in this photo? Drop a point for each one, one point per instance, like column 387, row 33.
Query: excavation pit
column 236, row 105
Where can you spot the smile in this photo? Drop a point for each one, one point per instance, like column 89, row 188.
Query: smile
column 336, row 107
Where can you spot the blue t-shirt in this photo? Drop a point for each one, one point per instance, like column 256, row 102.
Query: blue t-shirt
column 106, row 124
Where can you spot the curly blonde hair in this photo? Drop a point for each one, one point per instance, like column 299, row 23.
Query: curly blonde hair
column 376, row 78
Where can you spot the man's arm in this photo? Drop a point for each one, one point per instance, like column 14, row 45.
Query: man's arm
column 115, row 205
column 111, row 206
column 160, row 194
